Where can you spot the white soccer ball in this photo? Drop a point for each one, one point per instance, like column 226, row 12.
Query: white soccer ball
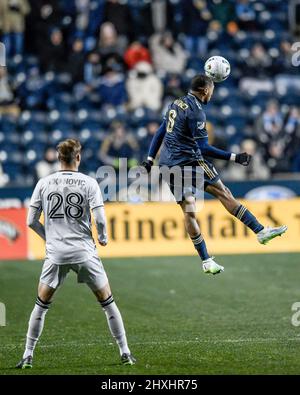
column 217, row 68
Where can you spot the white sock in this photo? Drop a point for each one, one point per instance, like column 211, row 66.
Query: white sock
column 35, row 326
column 115, row 323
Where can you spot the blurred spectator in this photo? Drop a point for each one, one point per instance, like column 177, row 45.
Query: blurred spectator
column 292, row 122
column 32, row 92
column 272, row 119
column 112, row 87
column 223, row 11
column 273, row 138
column 256, row 170
column 148, row 17
column 54, row 52
column 6, row 94
column 168, row 55
column 215, row 33
column 173, row 87
column 245, row 15
column 284, row 61
column 141, row 17
column 12, row 25
column 88, row 39
column 151, row 129
column 92, row 67
column 135, row 53
column 96, row 17
column 109, row 41
column 48, row 165
column 277, row 161
column 259, row 62
column 76, row 61
column 196, row 17
column 214, row 27
column 117, row 12
column 118, row 144
column 232, row 29
column 82, row 15
column 292, row 135
column 44, row 15
column 113, row 60
column 163, row 16
column 144, row 88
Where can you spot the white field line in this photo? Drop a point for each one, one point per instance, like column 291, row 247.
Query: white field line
column 168, row 342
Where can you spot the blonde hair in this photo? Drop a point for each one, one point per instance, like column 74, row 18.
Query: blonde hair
column 68, row 150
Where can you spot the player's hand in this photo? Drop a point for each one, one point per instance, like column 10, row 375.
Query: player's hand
column 243, row 159
column 147, row 164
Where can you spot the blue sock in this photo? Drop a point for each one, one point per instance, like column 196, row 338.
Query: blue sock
column 244, row 215
column 200, row 246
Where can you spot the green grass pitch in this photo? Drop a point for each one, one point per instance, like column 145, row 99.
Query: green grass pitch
column 178, row 320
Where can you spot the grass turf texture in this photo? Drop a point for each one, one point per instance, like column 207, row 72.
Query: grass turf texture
column 178, row 320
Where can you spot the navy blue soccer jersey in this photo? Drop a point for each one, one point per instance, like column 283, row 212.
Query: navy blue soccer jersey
column 185, row 124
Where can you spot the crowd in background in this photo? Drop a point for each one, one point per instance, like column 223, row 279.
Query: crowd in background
column 105, row 71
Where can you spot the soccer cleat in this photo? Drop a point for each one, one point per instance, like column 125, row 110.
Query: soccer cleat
column 128, row 359
column 268, row 233
column 211, row 267
column 25, row 363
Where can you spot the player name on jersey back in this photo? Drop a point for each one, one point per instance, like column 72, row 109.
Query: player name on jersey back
column 66, row 199
column 68, row 181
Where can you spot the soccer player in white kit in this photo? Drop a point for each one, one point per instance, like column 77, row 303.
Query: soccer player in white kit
column 67, row 199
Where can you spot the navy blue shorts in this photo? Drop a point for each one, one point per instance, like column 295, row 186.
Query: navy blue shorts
column 211, row 176
column 192, row 180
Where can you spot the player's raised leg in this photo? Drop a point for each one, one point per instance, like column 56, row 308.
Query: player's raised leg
column 36, row 324
column 234, row 207
column 115, row 323
column 188, row 207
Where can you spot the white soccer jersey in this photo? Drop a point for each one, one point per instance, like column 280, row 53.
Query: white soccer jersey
column 66, row 198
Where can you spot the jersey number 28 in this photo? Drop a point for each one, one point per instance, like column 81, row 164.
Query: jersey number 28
column 73, row 208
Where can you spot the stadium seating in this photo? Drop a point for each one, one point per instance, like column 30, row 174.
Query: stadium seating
column 53, row 108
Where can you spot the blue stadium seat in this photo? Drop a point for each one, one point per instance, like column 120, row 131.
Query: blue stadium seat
column 14, row 170
column 8, row 124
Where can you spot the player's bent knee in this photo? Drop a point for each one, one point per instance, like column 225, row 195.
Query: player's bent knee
column 190, row 199
column 189, row 205
column 45, row 293
column 103, row 293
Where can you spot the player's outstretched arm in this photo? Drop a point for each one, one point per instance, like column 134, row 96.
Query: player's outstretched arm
column 100, row 221
column 154, row 146
column 209, row 150
column 33, row 221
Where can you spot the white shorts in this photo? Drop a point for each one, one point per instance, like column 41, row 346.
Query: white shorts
column 91, row 272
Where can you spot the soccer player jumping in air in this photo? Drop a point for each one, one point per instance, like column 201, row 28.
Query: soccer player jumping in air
column 67, row 198
column 184, row 142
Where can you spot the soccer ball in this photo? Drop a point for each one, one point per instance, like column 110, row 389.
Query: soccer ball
column 217, row 68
